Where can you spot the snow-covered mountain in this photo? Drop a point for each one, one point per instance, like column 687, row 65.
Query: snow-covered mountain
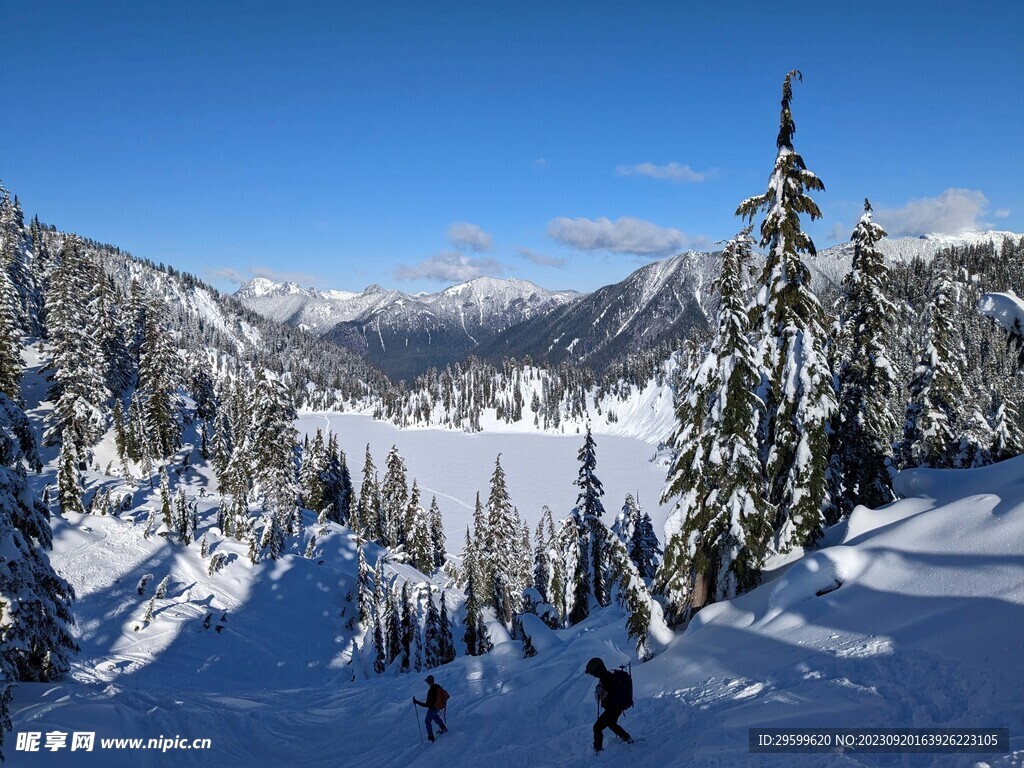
column 674, row 298
column 402, row 333
column 494, row 318
column 831, row 264
column 660, row 301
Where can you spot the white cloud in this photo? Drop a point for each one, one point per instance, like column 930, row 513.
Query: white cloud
column 1002, row 213
column 952, row 211
column 302, row 278
column 670, row 172
column 450, row 266
column 232, row 275
column 540, row 162
column 624, row 235
column 838, row 233
column 466, row 236
column 226, row 273
column 542, row 260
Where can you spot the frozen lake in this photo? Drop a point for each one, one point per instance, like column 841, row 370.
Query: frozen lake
column 540, row 468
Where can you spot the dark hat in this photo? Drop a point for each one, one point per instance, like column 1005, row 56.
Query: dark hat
column 595, row 667
column 430, row 679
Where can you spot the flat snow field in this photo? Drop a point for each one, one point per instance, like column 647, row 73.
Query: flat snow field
column 539, row 468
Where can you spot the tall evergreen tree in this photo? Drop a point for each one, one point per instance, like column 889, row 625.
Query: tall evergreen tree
column 69, row 477
column 369, row 500
column 931, row 423
column 446, row 652
column 797, row 388
column 10, row 337
column 35, row 602
column 78, row 385
column 364, row 589
column 432, row 636
column 867, row 381
column 542, row 566
column 394, row 500
column 500, row 548
column 593, row 531
column 418, row 544
column 393, row 624
column 409, row 627
column 642, row 547
column 721, row 525
column 311, row 473
column 268, row 449
column 437, row 539
column 476, row 636
column 379, row 621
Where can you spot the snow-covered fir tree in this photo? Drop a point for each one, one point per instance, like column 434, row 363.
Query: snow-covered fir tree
column 719, row 530
column 78, row 385
column 501, row 549
column 437, row 539
column 432, row 636
column 36, row 641
column 159, row 373
column 269, row 453
column 393, row 623
column 446, row 652
column 364, row 585
column 418, row 543
column 866, row 425
column 476, row 637
column 543, row 570
column 797, row 383
column 408, row 626
column 10, row 334
column 369, row 500
column 593, row 532
column 394, row 500
column 636, row 532
column 314, row 464
column 379, row 628
column 936, row 390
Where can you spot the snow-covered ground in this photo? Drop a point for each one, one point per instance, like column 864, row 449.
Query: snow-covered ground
column 925, row 627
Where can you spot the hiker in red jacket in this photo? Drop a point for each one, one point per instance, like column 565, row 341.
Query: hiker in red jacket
column 434, row 705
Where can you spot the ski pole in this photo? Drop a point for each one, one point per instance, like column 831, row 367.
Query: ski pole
column 445, row 715
column 416, row 714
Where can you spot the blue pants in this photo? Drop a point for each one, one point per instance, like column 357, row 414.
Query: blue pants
column 434, row 716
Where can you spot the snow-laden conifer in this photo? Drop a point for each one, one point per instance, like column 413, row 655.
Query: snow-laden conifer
column 797, row 383
column 367, row 508
column 437, row 538
column 394, row 500
column 932, row 416
column 721, row 525
column 35, row 642
column 866, row 424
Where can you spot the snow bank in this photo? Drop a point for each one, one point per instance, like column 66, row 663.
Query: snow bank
column 1007, row 309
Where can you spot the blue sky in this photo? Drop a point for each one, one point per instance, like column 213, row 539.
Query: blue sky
column 414, row 144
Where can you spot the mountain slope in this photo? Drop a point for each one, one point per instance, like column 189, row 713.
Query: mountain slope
column 870, row 630
column 401, row 333
column 660, row 303
column 663, row 301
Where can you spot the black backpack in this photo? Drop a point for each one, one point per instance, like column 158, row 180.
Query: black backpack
column 621, row 693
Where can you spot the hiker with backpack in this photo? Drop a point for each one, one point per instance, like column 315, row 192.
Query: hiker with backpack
column 614, row 692
column 437, row 700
